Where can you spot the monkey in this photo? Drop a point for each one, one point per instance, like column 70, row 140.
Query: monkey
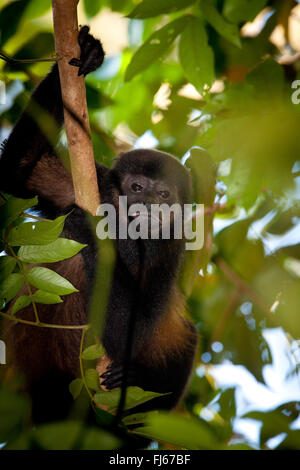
column 145, row 276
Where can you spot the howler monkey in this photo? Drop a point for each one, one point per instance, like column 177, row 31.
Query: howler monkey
column 163, row 340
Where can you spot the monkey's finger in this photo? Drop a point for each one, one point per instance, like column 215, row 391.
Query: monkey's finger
column 75, row 62
column 92, row 61
column 112, row 377
column 117, row 380
column 112, row 370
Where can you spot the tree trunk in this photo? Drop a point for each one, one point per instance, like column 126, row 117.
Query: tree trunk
column 75, row 107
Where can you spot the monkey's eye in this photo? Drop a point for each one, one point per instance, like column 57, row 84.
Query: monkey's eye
column 136, row 187
column 164, row 194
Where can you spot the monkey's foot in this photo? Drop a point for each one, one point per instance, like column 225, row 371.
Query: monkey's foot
column 92, row 54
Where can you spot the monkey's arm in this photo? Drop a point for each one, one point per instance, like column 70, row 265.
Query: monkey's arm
column 27, row 141
column 37, row 131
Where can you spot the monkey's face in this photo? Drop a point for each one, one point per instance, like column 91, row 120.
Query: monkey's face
column 149, row 201
column 148, row 191
column 156, row 187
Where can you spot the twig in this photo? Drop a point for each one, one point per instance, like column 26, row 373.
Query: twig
column 242, row 286
column 25, row 214
column 43, row 325
column 232, row 303
column 82, row 369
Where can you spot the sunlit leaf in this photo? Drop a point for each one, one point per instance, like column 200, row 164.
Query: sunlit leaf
column 21, row 302
column 92, row 7
column 155, row 46
column 50, row 281
column 37, row 8
column 58, row 436
column 134, row 396
column 98, row 439
column 11, row 286
column 228, row 30
column 36, row 233
column 180, row 431
column 242, row 10
column 13, row 208
column 43, row 297
column 75, row 387
column 60, row 249
column 148, row 8
column 92, row 379
column 196, row 56
column 10, row 18
column 7, row 265
column 93, row 352
column 13, row 411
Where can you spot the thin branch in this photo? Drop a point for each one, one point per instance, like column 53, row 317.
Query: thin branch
column 82, row 369
column 11, row 60
column 43, row 325
column 232, row 303
column 30, row 216
column 243, row 287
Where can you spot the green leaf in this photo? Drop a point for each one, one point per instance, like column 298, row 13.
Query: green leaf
column 93, row 352
column 275, row 421
column 227, row 404
column 10, row 18
column 13, row 208
column 37, row 8
column 228, row 30
column 21, row 302
column 92, row 379
column 291, row 442
column 97, row 439
column 149, row 8
column 7, row 265
column 36, row 233
column 134, row 396
column 138, row 418
column 58, row 436
column 75, row 387
column 180, row 431
column 50, row 281
column 267, row 77
column 11, row 286
column 13, row 410
column 155, row 46
column 92, row 7
column 203, row 172
column 60, row 249
column 239, row 11
column 43, row 297
column 96, row 99
column 196, row 56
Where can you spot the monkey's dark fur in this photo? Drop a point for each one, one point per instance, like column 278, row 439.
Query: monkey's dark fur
column 164, row 341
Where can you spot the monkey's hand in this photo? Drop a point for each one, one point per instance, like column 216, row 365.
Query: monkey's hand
column 113, row 377
column 92, row 53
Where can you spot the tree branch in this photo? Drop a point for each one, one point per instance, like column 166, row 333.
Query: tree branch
column 75, row 107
